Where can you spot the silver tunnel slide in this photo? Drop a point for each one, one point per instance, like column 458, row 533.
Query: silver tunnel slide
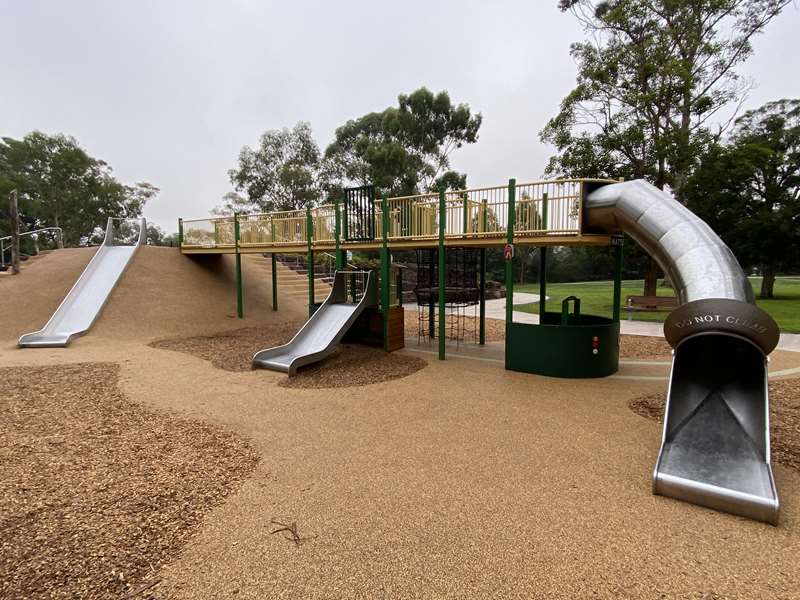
column 321, row 334
column 81, row 306
column 715, row 448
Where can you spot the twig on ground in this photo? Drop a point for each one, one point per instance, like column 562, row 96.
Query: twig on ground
column 292, row 530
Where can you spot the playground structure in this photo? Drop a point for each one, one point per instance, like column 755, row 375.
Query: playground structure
column 85, row 300
column 461, row 292
column 715, row 448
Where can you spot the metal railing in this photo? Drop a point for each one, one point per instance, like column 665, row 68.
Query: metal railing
column 541, row 208
column 59, row 235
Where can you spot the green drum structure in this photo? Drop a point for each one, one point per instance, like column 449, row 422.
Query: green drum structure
column 569, row 345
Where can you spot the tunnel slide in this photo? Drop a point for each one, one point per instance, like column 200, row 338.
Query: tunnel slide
column 715, row 448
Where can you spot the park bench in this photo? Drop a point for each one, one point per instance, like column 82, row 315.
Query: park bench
column 651, row 303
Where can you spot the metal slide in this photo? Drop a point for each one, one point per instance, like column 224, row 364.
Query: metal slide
column 85, row 300
column 321, row 334
column 715, row 447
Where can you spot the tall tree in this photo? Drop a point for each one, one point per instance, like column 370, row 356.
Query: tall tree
column 652, row 76
column 61, row 185
column 749, row 190
column 284, row 172
column 405, row 149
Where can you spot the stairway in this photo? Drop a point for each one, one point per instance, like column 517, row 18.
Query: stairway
column 292, row 283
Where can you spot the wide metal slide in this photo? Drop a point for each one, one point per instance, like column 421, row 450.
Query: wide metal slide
column 81, row 306
column 352, row 292
column 715, row 448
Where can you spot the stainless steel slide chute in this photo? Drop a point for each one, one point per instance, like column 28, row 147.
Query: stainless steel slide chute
column 715, row 447
column 352, row 292
column 81, row 306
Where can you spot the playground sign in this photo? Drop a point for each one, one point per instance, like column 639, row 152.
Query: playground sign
column 508, row 252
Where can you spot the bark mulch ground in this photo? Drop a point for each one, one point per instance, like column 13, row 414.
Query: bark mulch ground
column 96, row 492
column 354, row 365
column 351, row 365
column 232, row 350
column 784, row 415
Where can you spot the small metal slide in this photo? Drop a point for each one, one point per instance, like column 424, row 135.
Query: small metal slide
column 320, row 335
column 79, row 309
column 715, row 447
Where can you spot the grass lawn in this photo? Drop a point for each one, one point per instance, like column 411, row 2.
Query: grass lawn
column 596, row 297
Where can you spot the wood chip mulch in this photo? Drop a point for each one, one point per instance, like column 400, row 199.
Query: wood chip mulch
column 355, row 365
column 784, row 415
column 232, row 350
column 351, row 365
column 643, row 347
column 97, row 492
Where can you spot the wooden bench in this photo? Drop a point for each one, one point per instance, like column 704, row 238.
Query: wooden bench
column 651, row 303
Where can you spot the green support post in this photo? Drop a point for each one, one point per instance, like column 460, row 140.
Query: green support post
column 310, row 261
column 482, row 298
column 385, row 268
column 512, row 193
column 542, row 282
column 338, row 233
column 482, row 292
column 239, row 294
column 274, row 281
column 180, row 233
column 617, row 242
column 442, row 223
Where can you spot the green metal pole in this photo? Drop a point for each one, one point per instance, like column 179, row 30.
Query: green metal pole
column 274, row 281
column 338, row 230
column 482, row 297
column 442, row 223
column 482, row 292
column 512, row 192
column 239, row 294
column 542, row 282
column 618, row 244
column 385, row 267
column 180, row 233
column 310, row 261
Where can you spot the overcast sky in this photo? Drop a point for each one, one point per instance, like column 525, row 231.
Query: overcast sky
column 168, row 91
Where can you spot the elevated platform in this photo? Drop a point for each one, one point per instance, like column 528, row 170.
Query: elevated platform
column 545, row 213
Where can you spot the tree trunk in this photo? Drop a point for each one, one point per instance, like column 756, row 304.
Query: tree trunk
column 14, row 213
column 767, row 281
column 651, row 277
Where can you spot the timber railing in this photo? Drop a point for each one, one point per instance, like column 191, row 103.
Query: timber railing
column 542, row 208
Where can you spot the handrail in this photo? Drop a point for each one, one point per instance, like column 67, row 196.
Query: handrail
column 547, row 207
column 8, row 237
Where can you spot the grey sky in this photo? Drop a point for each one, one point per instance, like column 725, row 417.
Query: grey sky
column 168, row 92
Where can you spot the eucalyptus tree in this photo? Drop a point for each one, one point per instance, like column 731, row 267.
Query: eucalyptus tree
column 653, row 79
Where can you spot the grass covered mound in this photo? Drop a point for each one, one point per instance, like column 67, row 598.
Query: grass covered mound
column 784, row 415
column 97, row 492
